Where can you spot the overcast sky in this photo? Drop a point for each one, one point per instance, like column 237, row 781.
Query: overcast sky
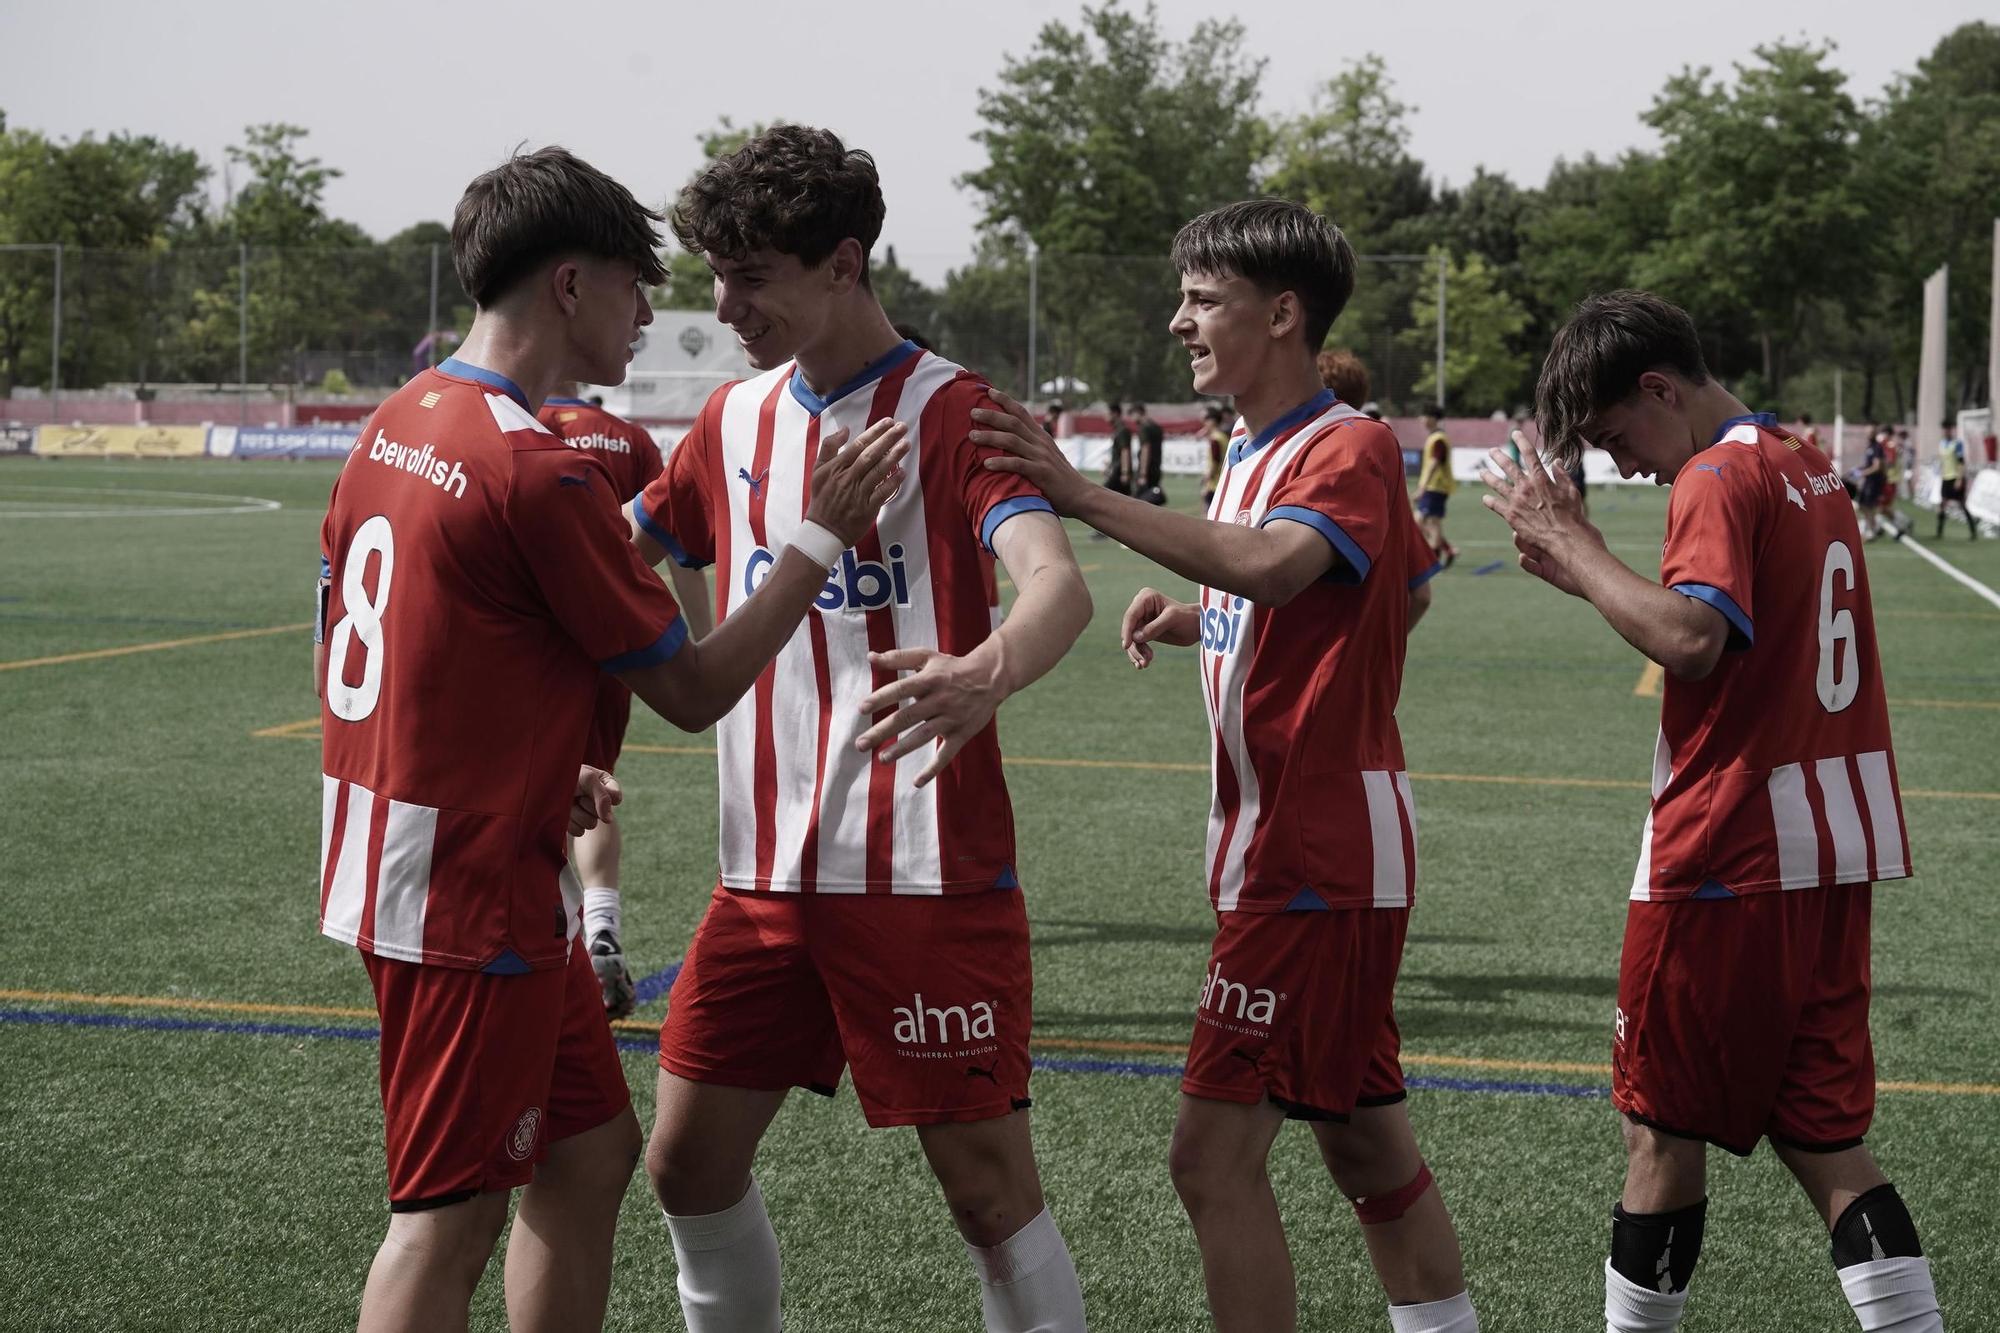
column 411, row 100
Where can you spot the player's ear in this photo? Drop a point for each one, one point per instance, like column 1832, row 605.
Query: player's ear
column 846, row 265
column 1286, row 314
column 566, row 284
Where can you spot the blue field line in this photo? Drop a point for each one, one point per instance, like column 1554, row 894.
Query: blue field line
column 651, row 988
column 1050, row 1064
column 1489, row 568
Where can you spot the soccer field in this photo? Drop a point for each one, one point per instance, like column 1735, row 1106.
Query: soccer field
column 190, row 1133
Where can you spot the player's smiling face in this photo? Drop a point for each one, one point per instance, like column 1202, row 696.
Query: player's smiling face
column 1225, row 323
column 774, row 303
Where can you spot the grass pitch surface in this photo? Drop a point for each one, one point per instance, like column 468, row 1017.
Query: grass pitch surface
column 189, row 1124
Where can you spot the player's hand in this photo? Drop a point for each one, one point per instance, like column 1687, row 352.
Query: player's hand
column 1545, row 513
column 1029, row 452
column 946, row 701
column 851, row 483
column 1154, row 618
column 596, row 793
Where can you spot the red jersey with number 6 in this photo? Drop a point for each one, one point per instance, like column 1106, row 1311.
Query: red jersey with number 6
column 480, row 578
column 1775, row 771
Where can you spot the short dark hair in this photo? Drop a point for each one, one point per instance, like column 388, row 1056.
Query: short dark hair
column 1434, row 410
column 1342, row 371
column 536, row 206
column 1805, row 418
column 793, row 189
column 1598, row 356
column 1282, row 247
column 1135, row 406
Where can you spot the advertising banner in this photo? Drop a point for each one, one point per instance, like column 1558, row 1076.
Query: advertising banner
column 283, row 441
column 121, row 441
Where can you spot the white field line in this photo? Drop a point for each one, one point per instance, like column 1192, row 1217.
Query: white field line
column 1951, row 571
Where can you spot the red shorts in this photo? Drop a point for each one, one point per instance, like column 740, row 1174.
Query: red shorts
column 1745, row 1017
column 927, row 999
column 607, row 725
column 480, row 1073
column 1299, row 1007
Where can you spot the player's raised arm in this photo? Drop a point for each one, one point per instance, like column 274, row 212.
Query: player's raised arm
column 697, row 685
column 1269, row 565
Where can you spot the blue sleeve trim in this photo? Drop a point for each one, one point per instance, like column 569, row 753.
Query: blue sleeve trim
column 1740, row 634
column 1006, row 509
column 1343, row 545
column 1437, row 568
column 662, row 536
column 654, row 653
column 325, row 567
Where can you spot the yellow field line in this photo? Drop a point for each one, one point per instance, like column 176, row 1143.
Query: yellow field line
column 1053, row 1043
column 161, row 646
column 308, row 730
column 1650, row 681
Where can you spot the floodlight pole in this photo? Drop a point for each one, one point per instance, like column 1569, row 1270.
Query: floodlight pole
column 1444, row 263
column 1034, row 297
column 242, row 333
column 432, row 341
column 55, row 343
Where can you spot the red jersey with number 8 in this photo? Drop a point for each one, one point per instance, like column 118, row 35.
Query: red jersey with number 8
column 481, row 577
column 1775, row 771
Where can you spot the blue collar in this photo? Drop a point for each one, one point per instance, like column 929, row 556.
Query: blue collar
column 874, row 370
column 1768, row 420
column 1298, row 416
column 492, row 379
column 565, row 402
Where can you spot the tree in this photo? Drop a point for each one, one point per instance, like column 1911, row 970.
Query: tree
column 1101, row 141
column 1484, row 366
column 1763, row 218
column 1348, row 157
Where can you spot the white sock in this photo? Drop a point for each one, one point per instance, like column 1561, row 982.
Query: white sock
column 1452, row 1315
column 600, row 912
column 728, row 1268
column 1027, row 1283
column 1630, row 1308
column 1894, row 1295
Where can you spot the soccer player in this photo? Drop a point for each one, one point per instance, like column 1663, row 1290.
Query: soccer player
column 1215, row 438
column 1895, row 455
column 476, row 578
column 630, row 456
column 1874, row 474
column 868, row 913
column 1343, row 372
column 1951, row 484
column 1743, row 986
column 1435, row 484
column 1313, row 574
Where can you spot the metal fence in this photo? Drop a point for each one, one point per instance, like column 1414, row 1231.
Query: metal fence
column 261, row 322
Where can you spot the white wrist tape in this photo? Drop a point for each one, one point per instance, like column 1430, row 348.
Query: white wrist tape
column 818, row 545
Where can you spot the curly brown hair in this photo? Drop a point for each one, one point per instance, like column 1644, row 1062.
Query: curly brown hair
column 793, row 189
column 536, row 206
column 1341, row 371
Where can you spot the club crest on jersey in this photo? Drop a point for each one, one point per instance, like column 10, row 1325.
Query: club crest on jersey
column 521, row 1143
column 1222, row 626
column 1233, row 999
column 852, row 585
column 926, row 1025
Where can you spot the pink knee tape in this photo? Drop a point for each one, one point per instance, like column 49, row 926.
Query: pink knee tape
column 1376, row 1209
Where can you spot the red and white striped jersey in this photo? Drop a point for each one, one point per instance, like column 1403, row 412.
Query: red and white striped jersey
column 1775, row 771
column 1312, row 805
column 802, row 810
column 481, row 577
column 626, row 450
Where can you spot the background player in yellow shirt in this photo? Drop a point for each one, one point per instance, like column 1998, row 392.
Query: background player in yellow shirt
column 1435, row 485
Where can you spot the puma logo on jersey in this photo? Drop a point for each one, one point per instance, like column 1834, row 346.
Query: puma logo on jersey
column 422, row 462
column 756, row 482
column 1716, row 468
column 990, row 1073
column 1792, row 493
column 583, row 480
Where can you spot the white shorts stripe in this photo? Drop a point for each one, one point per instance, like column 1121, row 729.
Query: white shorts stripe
column 1850, row 845
column 1884, row 817
column 1385, row 832
column 1409, row 818
column 403, row 883
column 1798, row 837
column 329, row 796
column 1642, row 874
